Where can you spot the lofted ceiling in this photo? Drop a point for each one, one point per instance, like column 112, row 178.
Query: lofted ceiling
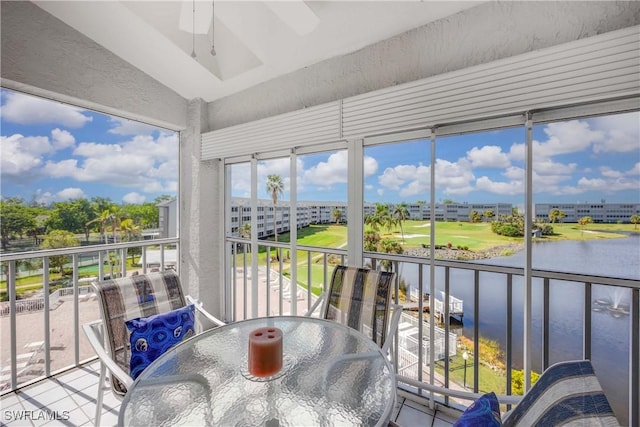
column 254, row 41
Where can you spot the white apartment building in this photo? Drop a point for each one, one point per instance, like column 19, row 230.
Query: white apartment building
column 322, row 213
column 599, row 212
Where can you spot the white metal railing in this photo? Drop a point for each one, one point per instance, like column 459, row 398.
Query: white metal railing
column 266, row 288
column 42, row 304
column 411, row 361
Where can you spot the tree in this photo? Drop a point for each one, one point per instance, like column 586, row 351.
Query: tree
column 475, row 216
column 488, row 214
column 556, row 214
column 145, row 215
column 72, row 216
column 337, row 215
column 582, row 222
column 130, row 229
column 389, row 246
column 401, row 213
column 16, row 219
column 635, row 220
column 57, row 239
column 245, row 230
column 102, row 219
column 275, row 187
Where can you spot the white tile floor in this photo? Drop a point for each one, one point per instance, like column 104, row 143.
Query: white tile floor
column 69, row 399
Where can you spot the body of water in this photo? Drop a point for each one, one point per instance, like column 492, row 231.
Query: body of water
column 611, row 335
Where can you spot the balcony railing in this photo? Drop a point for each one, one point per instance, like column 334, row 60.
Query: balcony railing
column 262, row 283
column 40, row 333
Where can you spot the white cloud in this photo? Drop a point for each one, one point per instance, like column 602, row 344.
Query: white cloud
column 134, row 198
column 635, row 170
column 489, row 156
column 622, row 132
column 70, row 194
column 22, row 156
column 408, row 180
column 61, row 196
column 567, row 137
column 549, row 167
column 29, row 110
column 120, row 126
column 326, row 174
column 454, row 178
column 142, row 162
column 62, row 139
column 510, row 188
column 610, row 173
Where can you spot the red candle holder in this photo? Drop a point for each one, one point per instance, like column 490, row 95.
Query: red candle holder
column 265, row 352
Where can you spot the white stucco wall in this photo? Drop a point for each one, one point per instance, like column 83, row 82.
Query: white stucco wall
column 43, row 56
column 485, row 33
column 201, row 237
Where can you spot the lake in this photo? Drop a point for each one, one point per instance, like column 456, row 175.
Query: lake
column 610, row 351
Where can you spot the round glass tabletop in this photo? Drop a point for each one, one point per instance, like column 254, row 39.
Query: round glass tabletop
column 331, row 375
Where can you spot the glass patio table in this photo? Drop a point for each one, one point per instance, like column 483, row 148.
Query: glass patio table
column 331, row 375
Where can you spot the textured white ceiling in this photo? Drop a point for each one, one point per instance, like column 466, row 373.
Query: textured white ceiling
column 255, row 41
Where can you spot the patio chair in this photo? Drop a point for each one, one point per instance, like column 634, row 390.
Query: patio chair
column 565, row 393
column 361, row 298
column 129, row 298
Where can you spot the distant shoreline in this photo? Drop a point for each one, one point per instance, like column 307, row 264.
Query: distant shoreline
column 458, row 254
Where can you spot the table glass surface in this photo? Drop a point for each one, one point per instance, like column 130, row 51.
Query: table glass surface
column 331, row 375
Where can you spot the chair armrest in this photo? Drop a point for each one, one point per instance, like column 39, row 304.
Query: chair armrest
column 93, row 332
column 315, row 305
column 198, row 305
column 393, row 326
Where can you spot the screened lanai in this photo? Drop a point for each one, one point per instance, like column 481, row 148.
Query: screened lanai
column 446, row 74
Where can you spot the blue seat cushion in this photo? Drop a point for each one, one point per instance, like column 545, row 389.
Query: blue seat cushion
column 151, row 336
column 484, row 412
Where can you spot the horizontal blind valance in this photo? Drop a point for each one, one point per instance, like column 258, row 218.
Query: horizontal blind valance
column 596, row 68
column 310, row 126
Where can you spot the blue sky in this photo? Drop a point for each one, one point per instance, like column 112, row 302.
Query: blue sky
column 574, row 162
column 54, row 152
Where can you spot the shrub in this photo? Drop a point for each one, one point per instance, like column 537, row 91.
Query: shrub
column 517, row 381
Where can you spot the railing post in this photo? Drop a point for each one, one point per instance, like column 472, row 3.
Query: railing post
column 47, row 307
column 545, row 324
column 586, row 334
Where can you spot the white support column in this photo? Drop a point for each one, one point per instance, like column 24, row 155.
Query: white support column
column 528, row 215
column 201, row 267
column 254, row 237
column 355, row 217
column 293, row 229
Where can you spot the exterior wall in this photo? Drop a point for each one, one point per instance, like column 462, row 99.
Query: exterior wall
column 488, row 32
column 43, row 56
column 599, row 212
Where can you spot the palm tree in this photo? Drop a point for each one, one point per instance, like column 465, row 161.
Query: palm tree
column 635, row 220
column 103, row 218
column 245, row 231
column 401, row 213
column 275, row 187
column 130, row 229
column 584, row 221
column 488, row 214
column 337, row 215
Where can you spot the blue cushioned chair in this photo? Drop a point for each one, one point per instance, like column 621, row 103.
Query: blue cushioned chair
column 127, row 298
column 567, row 392
column 361, row 299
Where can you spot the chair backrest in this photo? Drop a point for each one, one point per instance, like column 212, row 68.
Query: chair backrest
column 360, row 298
column 130, row 297
column 567, row 392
